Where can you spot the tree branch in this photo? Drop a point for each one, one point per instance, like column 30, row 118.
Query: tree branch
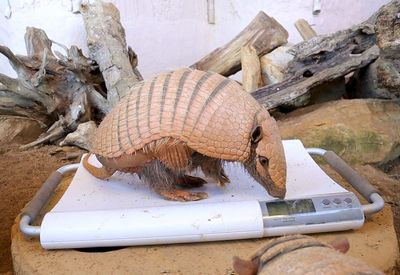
column 15, row 62
column 107, row 45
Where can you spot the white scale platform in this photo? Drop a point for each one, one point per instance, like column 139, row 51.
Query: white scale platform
column 123, row 211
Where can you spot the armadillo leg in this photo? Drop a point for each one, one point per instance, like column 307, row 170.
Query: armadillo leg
column 211, row 167
column 163, row 181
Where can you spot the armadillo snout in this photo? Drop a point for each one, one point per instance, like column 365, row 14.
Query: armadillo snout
column 277, row 192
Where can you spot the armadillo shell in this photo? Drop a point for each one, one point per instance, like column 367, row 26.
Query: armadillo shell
column 211, row 114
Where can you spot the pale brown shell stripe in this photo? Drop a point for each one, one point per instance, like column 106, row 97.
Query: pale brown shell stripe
column 114, row 132
column 217, row 89
column 179, row 92
column 154, row 118
column 128, row 101
column 183, row 102
column 164, row 93
column 149, row 100
column 167, row 125
column 131, row 106
column 118, row 127
column 137, row 106
column 196, row 89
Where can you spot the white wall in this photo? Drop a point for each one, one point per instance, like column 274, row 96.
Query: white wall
column 167, row 34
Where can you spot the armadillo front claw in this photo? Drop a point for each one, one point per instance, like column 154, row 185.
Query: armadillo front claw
column 182, row 195
column 223, row 179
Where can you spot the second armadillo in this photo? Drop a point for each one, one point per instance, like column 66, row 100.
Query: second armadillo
column 185, row 119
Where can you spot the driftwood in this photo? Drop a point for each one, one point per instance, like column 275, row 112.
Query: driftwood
column 63, row 90
column 274, row 64
column 107, row 45
column 321, row 59
column 251, row 69
column 263, row 33
column 52, row 88
column 304, row 29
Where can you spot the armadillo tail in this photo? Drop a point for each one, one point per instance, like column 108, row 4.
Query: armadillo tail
column 100, row 173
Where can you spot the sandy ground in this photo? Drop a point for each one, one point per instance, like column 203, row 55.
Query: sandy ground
column 23, row 172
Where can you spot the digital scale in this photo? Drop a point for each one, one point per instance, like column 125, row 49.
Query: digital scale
column 333, row 212
column 123, row 211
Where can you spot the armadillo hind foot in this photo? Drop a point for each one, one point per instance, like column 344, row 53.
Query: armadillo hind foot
column 164, row 180
column 182, row 195
column 187, row 181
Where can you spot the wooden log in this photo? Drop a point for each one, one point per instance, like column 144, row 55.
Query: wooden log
column 107, row 46
column 304, row 29
column 264, row 33
column 273, row 64
column 322, row 59
column 251, row 69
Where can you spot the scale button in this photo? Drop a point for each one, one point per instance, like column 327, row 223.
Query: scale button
column 348, row 200
column 337, row 201
column 326, row 201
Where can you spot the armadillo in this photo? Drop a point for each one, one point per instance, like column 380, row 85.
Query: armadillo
column 183, row 120
column 299, row 254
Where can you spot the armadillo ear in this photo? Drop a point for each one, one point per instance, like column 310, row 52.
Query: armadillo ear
column 256, row 134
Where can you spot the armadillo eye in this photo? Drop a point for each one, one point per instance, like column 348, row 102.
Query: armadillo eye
column 264, row 161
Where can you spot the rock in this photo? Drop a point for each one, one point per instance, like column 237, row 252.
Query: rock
column 21, row 130
column 387, row 29
column 81, row 137
column 368, row 85
column 386, row 186
column 300, row 254
column 388, row 40
column 364, row 131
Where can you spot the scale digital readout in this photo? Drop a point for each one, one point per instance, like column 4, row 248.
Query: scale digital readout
column 318, row 214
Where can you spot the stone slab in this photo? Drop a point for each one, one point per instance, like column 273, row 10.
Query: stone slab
column 375, row 243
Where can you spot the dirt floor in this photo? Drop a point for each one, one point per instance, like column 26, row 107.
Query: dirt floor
column 23, row 172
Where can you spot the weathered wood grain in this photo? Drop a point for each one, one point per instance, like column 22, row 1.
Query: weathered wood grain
column 264, row 33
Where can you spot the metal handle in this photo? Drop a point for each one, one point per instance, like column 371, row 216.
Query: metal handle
column 359, row 183
column 32, row 209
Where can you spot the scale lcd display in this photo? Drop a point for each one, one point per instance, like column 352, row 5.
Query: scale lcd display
column 290, row 207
